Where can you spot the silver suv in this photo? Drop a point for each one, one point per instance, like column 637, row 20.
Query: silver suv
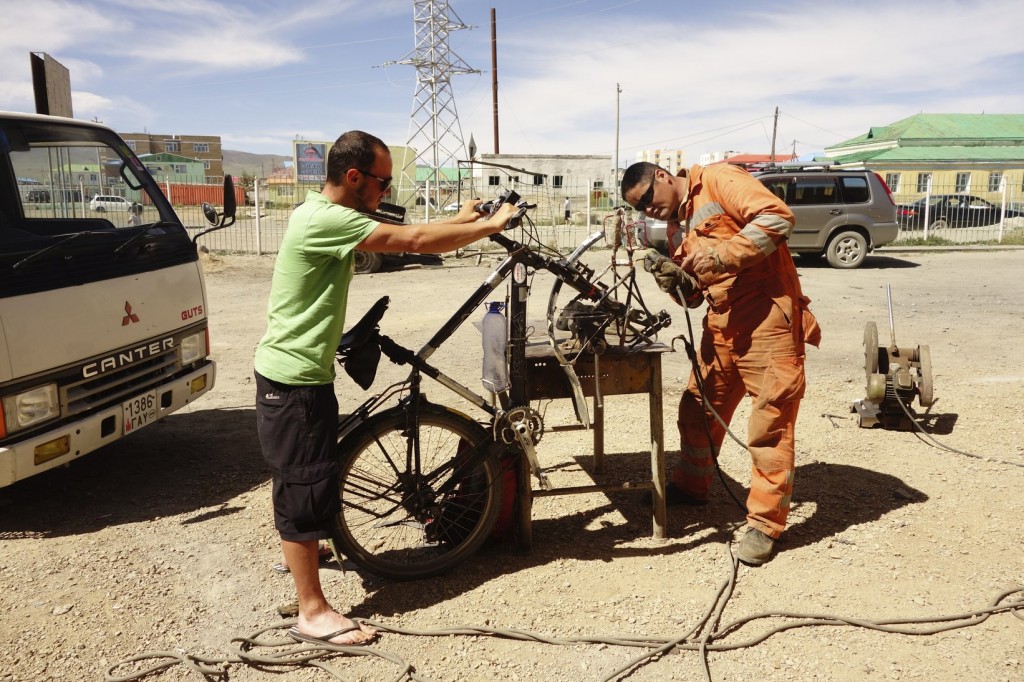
column 841, row 214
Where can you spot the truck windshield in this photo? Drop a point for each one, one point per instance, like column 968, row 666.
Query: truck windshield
column 68, row 179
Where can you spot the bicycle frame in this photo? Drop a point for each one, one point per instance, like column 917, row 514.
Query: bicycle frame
column 400, row 494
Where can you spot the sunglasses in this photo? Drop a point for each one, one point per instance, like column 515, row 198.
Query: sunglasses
column 384, row 182
column 646, row 199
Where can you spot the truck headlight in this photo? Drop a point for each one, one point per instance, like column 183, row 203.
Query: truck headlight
column 193, row 348
column 30, row 407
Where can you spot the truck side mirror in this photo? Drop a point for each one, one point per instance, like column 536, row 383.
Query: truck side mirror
column 224, row 219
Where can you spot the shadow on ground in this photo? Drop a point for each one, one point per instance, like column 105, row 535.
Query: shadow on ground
column 840, row 495
column 874, row 261
column 186, row 462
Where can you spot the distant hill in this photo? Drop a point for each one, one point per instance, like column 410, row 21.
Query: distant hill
column 259, row 165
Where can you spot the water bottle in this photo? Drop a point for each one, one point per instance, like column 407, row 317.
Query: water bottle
column 495, row 335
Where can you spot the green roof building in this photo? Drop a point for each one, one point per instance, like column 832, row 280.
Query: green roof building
column 978, row 154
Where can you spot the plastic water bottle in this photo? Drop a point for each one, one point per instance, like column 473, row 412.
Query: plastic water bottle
column 495, row 335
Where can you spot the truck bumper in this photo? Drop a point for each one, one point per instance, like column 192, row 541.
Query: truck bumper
column 25, row 458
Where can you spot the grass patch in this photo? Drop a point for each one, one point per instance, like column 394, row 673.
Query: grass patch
column 1010, row 238
column 921, row 241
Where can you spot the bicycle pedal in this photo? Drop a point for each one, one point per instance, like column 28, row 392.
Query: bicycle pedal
column 545, row 482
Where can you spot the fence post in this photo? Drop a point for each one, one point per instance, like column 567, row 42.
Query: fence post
column 256, row 202
column 1002, row 207
column 927, row 206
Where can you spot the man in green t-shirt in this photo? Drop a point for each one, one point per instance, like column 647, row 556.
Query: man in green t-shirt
column 296, row 408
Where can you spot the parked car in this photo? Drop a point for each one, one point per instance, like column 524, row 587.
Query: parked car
column 840, row 214
column 952, row 210
column 107, row 202
column 367, row 262
column 652, row 233
column 452, row 207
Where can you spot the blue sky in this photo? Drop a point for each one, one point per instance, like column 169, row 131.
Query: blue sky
column 700, row 76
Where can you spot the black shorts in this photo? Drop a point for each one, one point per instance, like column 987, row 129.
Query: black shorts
column 298, row 431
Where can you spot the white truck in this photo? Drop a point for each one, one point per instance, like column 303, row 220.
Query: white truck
column 103, row 315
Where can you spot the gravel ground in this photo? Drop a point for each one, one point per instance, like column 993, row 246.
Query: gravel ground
column 164, row 542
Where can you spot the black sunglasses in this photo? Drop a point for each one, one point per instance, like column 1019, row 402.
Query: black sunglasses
column 646, row 199
column 384, row 182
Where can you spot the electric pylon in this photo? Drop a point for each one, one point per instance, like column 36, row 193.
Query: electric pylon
column 435, row 134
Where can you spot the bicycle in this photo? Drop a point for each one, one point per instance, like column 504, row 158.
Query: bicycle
column 420, row 482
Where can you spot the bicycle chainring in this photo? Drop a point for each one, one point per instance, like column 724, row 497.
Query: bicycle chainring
column 527, row 416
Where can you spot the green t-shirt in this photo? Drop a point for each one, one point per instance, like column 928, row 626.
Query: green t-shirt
column 309, row 292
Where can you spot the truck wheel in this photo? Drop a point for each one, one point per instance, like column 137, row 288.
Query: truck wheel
column 367, row 262
column 847, row 250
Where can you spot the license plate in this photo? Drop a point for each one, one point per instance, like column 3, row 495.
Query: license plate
column 139, row 411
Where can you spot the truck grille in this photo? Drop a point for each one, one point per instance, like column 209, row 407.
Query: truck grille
column 119, row 385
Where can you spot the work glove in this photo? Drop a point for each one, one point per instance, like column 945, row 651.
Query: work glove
column 672, row 279
column 708, row 266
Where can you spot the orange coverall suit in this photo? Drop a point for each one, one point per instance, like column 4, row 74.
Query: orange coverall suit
column 753, row 342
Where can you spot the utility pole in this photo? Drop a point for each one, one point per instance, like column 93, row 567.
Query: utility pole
column 494, row 78
column 775, row 129
column 615, row 173
column 435, row 134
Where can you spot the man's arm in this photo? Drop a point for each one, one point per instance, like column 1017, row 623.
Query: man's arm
column 767, row 223
column 463, row 228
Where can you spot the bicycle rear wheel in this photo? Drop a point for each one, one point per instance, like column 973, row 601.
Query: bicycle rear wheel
column 403, row 524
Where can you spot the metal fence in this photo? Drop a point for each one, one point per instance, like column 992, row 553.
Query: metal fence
column 259, row 229
column 957, row 212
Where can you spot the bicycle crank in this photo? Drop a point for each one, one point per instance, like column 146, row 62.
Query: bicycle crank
column 525, row 426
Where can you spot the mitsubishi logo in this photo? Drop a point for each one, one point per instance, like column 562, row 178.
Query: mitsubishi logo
column 129, row 316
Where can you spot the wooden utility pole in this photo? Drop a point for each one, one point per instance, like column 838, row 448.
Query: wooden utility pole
column 494, row 77
column 615, row 173
column 775, row 129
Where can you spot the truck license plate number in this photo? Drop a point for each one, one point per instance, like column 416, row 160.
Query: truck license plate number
column 139, row 411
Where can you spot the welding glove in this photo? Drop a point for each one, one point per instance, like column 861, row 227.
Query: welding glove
column 672, row 279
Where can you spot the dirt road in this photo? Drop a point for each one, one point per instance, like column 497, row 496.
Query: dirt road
column 165, row 541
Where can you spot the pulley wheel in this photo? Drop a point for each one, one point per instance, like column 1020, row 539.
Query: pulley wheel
column 924, row 356
column 876, row 388
column 870, row 349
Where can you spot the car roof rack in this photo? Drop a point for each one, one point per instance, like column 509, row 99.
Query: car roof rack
column 803, row 167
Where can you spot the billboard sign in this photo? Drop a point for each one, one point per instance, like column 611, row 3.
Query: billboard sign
column 310, row 161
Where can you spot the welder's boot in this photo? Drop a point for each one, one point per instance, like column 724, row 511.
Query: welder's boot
column 755, row 547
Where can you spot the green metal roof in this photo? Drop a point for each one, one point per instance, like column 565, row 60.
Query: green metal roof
column 925, row 154
column 928, row 129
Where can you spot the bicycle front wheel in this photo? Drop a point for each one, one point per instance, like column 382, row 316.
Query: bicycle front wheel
column 403, row 523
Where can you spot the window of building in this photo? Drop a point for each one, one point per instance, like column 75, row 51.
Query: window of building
column 538, row 179
column 493, row 180
column 172, row 146
column 201, row 148
column 556, row 181
column 180, row 168
column 995, row 180
column 206, row 165
column 131, row 144
column 893, row 181
column 963, row 182
column 924, row 182
column 598, row 184
column 515, row 179
column 286, row 190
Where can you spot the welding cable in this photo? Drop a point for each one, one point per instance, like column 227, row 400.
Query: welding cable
column 706, row 636
column 928, row 438
column 691, row 353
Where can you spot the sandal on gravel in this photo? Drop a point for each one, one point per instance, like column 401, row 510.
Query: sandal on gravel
column 294, row 633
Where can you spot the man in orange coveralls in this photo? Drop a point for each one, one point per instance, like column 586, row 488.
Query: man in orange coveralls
column 733, row 254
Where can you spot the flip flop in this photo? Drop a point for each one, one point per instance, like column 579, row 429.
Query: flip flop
column 294, row 633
